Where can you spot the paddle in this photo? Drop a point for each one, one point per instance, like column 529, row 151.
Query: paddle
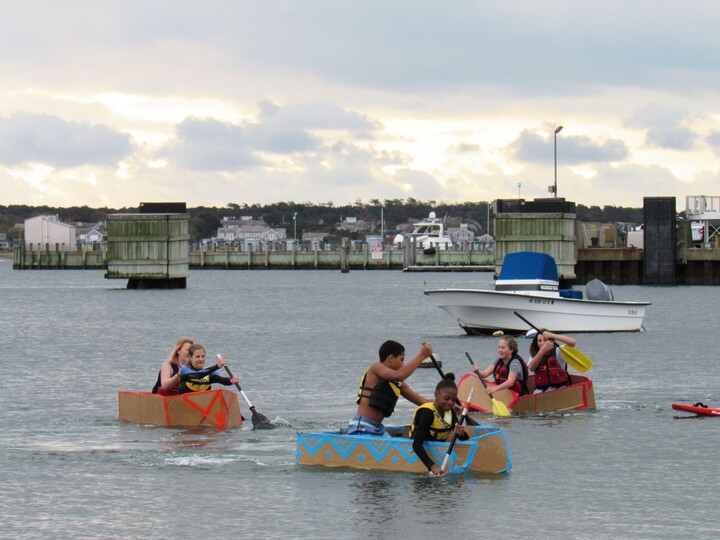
column 498, row 407
column 258, row 420
column 462, row 418
column 470, row 421
column 571, row 355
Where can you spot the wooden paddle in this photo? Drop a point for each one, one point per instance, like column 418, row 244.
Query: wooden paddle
column 574, row 358
column 470, row 421
column 258, row 420
column 498, row 407
column 462, row 418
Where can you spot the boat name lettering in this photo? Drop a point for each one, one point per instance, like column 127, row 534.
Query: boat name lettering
column 632, row 312
column 541, row 301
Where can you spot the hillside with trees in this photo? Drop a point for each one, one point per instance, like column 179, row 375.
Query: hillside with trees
column 311, row 217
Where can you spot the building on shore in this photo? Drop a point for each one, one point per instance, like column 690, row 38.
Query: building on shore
column 49, row 231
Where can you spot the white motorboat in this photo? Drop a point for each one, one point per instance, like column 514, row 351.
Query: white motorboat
column 528, row 284
column 428, row 233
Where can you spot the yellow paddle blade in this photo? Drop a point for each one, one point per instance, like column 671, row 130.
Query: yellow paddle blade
column 575, row 359
column 499, row 408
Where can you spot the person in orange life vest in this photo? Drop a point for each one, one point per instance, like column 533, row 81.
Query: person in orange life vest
column 382, row 384
column 546, row 361
column 436, row 421
column 509, row 370
column 169, row 375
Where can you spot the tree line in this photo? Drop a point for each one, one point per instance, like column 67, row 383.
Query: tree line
column 311, row 217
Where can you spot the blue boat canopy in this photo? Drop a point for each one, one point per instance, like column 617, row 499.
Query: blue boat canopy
column 528, row 265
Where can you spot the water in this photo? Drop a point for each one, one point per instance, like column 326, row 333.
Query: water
column 300, row 340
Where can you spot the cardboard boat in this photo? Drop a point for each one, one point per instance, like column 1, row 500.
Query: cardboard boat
column 486, row 451
column 213, row 408
column 577, row 396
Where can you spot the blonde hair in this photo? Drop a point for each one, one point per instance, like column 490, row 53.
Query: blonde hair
column 511, row 343
column 179, row 345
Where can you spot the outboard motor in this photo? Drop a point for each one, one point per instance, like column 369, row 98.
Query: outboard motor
column 597, row 290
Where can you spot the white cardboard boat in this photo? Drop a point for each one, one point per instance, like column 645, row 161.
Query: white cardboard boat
column 529, row 285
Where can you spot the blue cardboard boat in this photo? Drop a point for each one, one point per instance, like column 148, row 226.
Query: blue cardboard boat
column 485, row 452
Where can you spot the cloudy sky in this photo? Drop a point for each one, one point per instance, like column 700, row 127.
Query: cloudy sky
column 110, row 103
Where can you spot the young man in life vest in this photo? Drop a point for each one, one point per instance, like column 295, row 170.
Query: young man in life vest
column 381, row 386
column 509, row 370
column 436, row 421
column 546, row 361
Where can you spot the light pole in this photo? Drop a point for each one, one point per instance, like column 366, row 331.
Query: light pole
column 557, row 130
column 294, row 227
column 382, row 224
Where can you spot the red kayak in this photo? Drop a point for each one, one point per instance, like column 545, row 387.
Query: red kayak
column 699, row 409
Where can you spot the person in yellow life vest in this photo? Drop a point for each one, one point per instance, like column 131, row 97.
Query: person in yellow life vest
column 382, row 385
column 195, row 377
column 436, row 421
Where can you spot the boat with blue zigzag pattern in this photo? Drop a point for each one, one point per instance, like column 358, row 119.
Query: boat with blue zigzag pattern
column 485, row 452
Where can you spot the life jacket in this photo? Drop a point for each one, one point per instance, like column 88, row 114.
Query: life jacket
column 383, row 396
column 441, row 426
column 198, row 381
column 502, row 372
column 550, row 373
column 158, row 384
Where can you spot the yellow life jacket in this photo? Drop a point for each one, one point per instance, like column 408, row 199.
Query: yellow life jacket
column 441, row 427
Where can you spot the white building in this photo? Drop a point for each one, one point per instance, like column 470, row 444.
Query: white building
column 49, row 230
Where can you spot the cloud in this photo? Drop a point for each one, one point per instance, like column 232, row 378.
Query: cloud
column 575, row 149
column 41, row 138
column 665, row 126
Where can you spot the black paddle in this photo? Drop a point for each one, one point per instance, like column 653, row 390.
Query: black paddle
column 259, row 421
column 469, row 420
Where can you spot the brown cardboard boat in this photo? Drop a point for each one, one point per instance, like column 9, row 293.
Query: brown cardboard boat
column 577, row 396
column 213, row 408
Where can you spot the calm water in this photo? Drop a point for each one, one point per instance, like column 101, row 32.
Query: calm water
column 300, row 341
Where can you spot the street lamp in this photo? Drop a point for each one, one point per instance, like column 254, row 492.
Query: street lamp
column 294, row 227
column 382, row 224
column 557, row 130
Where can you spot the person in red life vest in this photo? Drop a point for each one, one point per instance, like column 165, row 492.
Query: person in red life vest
column 381, row 386
column 169, row 376
column 436, row 421
column 509, row 370
column 546, row 361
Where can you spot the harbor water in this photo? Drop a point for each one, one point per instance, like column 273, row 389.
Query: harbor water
column 300, row 341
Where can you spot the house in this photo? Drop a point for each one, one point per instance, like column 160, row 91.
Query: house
column 461, row 235
column 90, row 236
column 42, row 231
column 313, row 240
column 249, row 232
column 4, row 242
column 352, row 224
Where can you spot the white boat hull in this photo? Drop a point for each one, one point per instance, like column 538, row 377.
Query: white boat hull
column 484, row 312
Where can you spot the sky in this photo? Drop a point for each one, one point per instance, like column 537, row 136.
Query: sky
column 113, row 103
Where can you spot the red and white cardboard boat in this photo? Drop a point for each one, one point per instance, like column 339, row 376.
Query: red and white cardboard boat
column 577, row 396
column 213, row 408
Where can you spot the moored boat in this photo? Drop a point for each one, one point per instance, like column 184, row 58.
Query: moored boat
column 485, row 452
column 577, row 396
column 213, row 408
column 529, row 285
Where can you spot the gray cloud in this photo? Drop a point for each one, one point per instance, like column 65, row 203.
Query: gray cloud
column 46, row 139
column 665, row 126
column 316, row 115
column 572, row 150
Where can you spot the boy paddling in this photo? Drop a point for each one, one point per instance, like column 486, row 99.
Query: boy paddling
column 382, row 385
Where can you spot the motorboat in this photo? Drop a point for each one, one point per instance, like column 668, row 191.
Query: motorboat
column 528, row 286
column 427, row 234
